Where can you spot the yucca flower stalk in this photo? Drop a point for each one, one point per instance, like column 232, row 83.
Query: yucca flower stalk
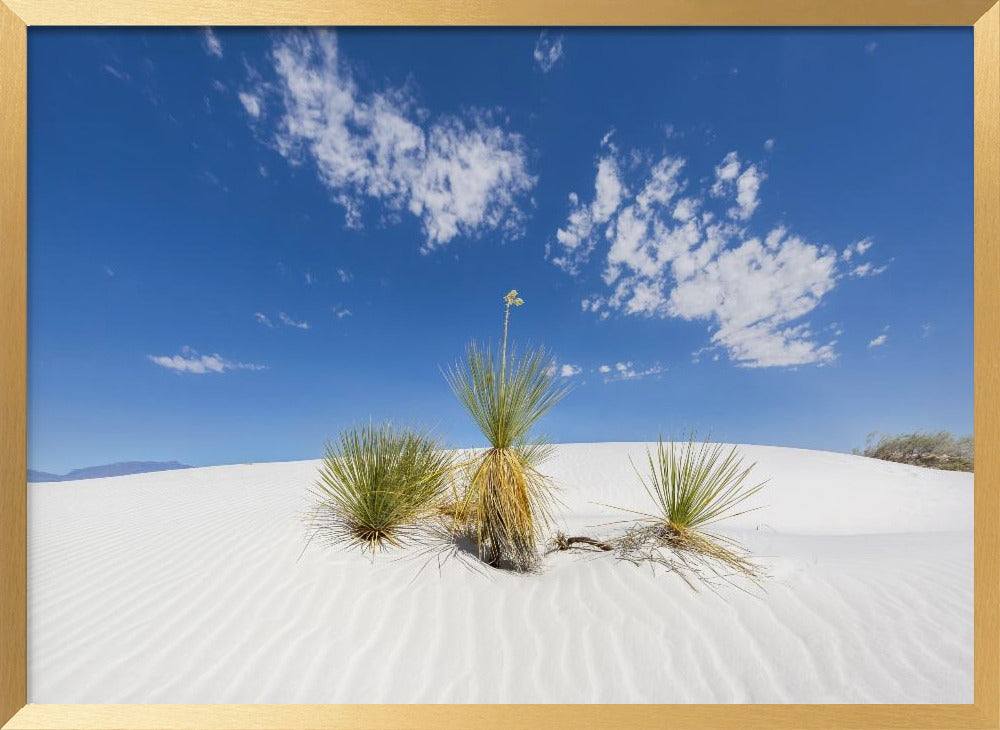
column 507, row 498
column 378, row 483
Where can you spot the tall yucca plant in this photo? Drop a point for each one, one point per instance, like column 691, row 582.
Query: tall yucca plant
column 377, row 483
column 507, row 498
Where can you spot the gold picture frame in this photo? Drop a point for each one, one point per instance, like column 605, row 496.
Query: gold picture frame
column 17, row 15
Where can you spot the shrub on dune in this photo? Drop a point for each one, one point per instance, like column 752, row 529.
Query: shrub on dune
column 940, row 450
column 507, row 498
column 378, row 484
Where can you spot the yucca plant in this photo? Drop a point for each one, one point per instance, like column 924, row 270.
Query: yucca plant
column 696, row 484
column 507, row 498
column 693, row 485
column 378, row 483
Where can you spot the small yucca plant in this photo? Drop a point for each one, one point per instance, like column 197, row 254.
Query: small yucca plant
column 507, row 498
column 693, row 485
column 378, row 483
column 696, row 484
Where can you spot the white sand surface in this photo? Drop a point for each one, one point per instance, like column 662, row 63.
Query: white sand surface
column 192, row 586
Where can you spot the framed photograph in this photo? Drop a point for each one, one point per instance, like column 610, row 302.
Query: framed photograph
column 499, row 365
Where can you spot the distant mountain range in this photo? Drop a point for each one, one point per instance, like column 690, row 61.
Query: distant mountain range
column 106, row 470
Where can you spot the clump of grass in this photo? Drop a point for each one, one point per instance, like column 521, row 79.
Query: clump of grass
column 507, row 498
column 692, row 485
column 378, row 484
column 939, row 450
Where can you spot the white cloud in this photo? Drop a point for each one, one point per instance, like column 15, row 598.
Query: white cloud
column 212, row 44
column 344, row 275
column 857, row 249
column 747, row 186
column 686, row 209
column 340, row 312
column 250, row 102
column 283, row 318
column 458, row 175
column 861, row 270
column 881, row 339
column 568, row 371
column 109, row 271
column 668, row 253
column 212, row 178
column 548, row 51
column 871, row 47
column 309, row 278
column 725, row 172
column 867, row 269
column 577, row 237
column 117, row 73
column 745, row 180
column 629, row 371
column 189, row 361
column 769, row 144
column 289, row 322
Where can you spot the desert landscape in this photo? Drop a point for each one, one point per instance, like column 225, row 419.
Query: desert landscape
column 198, row 586
column 294, row 438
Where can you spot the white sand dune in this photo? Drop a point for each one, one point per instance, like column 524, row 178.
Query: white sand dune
column 192, row 586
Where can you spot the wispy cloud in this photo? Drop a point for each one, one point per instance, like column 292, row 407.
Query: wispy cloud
column 340, row 312
column 289, row 322
column 859, row 248
column 577, row 237
column 629, row 371
column 673, row 251
column 117, row 73
column 283, row 319
column 548, row 51
column 743, row 181
column 213, row 179
column 871, row 47
column 189, row 361
column 344, row 275
column 565, row 370
column 211, row 43
column 250, row 102
column 881, row 339
column 867, row 269
column 109, row 271
column 458, row 175
column 769, row 144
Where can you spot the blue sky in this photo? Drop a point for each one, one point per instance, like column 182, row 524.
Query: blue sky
column 241, row 241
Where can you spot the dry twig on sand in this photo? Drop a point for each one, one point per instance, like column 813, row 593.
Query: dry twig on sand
column 562, row 542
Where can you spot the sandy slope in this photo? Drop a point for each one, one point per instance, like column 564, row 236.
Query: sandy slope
column 189, row 586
